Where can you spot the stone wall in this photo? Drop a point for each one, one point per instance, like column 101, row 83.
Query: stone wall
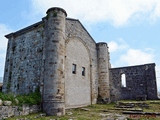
column 54, row 53
column 77, row 86
column 74, row 29
column 26, row 56
column 11, row 111
column 36, row 58
column 140, row 83
column 24, row 60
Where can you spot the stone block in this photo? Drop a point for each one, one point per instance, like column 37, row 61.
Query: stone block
column 34, row 109
column 1, row 102
column 7, row 103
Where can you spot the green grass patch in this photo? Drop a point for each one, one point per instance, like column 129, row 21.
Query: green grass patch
column 94, row 112
column 30, row 99
column 90, row 112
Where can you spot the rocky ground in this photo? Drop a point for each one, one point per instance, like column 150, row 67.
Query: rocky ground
column 123, row 110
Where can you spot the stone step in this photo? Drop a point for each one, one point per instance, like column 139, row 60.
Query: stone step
column 127, row 109
column 141, row 113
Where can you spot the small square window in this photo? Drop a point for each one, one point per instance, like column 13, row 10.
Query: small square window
column 74, row 68
column 83, row 71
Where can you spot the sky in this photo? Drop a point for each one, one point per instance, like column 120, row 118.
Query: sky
column 130, row 27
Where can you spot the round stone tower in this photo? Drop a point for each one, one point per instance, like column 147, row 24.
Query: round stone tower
column 54, row 52
column 103, row 70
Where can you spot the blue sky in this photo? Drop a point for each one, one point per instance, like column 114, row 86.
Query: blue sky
column 130, row 27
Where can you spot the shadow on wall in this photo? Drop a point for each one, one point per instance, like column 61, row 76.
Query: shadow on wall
column 1, row 84
column 159, row 95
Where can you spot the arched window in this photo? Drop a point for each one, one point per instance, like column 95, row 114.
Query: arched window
column 123, row 80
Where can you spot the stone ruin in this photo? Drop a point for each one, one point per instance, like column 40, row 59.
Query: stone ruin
column 60, row 57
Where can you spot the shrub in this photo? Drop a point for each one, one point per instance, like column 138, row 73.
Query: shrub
column 30, row 99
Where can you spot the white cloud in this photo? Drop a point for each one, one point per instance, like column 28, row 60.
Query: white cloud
column 3, row 46
column 119, row 12
column 136, row 57
column 113, row 46
column 156, row 11
column 116, row 46
column 3, row 31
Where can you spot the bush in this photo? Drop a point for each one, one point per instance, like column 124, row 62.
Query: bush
column 30, row 99
column 9, row 97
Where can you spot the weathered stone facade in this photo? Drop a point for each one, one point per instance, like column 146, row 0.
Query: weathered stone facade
column 103, row 72
column 24, row 61
column 43, row 55
column 58, row 55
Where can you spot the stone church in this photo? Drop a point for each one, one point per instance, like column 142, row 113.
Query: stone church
column 60, row 57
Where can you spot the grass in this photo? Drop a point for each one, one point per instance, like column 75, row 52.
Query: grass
column 95, row 112
column 30, row 99
column 154, row 105
column 92, row 112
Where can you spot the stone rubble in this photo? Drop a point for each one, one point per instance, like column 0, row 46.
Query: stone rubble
column 1, row 102
column 7, row 103
column 11, row 111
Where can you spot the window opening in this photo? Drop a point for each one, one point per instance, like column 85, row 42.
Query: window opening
column 74, row 68
column 83, row 71
column 123, row 80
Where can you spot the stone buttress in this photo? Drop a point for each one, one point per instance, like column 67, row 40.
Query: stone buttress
column 103, row 71
column 53, row 92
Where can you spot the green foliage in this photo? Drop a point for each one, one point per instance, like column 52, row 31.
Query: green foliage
column 9, row 97
column 30, row 99
column 94, row 112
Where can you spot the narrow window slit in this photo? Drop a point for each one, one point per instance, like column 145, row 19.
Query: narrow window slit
column 74, row 68
column 83, row 71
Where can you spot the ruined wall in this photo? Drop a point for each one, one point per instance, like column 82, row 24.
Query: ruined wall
column 24, row 63
column 140, row 82
column 14, row 111
column 74, row 29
